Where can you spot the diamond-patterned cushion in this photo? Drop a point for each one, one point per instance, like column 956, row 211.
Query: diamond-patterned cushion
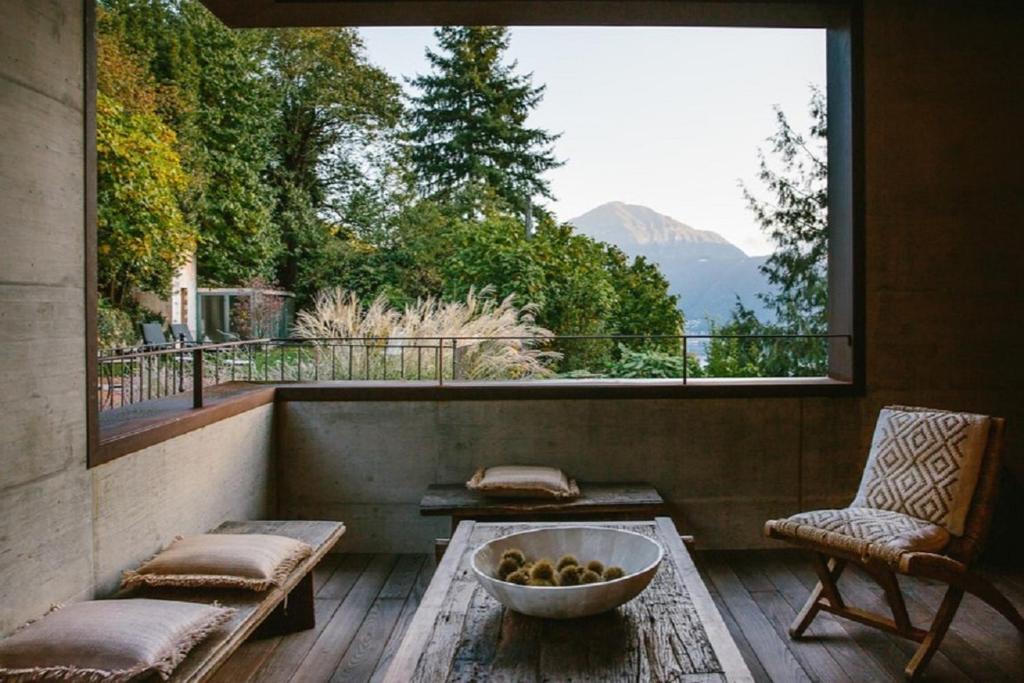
column 924, row 463
column 868, row 532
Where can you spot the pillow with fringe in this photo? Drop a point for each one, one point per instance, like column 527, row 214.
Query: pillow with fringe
column 109, row 640
column 523, row 481
column 251, row 561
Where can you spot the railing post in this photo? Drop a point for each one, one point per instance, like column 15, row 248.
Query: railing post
column 686, row 360
column 456, row 366
column 197, row 377
column 440, row 362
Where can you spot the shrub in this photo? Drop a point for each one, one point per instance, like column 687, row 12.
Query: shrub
column 651, row 364
column 114, row 327
column 482, row 338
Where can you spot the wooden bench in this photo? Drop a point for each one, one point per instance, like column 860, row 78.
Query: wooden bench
column 604, row 502
column 277, row 611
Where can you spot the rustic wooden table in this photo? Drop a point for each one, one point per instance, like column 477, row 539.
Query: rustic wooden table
column 672, row 631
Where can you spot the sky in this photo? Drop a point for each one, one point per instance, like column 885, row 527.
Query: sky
column 670, row 118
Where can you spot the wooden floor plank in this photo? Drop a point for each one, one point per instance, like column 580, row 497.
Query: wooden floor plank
column 772, row 651
column 347, row 572
column 408, row 610
column 368, row 643
column 330, row 647
column 246, row 662
column 815, row 660
column 749, row 656
column 335, row 580
column 288, row 655
column 324, row 570
column 825, row 631
column 382, row 593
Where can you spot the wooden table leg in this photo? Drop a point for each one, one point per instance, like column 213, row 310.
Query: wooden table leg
column 295, row 613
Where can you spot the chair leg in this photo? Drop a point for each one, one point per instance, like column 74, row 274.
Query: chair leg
column 828, row 573
column 807, row 614
column 932, row 640
column 886, row 578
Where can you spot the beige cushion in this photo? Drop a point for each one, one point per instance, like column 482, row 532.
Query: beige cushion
column 523, row 481
column 108, row 640
column 252, row 561
column 882, row 534
column 924, row 463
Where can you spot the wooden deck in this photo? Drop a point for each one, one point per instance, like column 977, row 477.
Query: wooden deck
column 365, row 602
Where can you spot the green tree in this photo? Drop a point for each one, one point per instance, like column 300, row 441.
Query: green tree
column 142, row 236
column 796, row 220
column 468, row 121
column 795, row 217
column 335, row 150
column 644, row 304
column 223, row 113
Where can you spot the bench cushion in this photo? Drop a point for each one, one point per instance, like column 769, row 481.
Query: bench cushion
column 252, row 561
column 108, row 640
column 523, row 481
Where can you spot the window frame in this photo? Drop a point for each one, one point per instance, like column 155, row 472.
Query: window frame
column 842, row 21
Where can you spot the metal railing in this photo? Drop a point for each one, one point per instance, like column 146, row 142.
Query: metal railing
column 130, row 376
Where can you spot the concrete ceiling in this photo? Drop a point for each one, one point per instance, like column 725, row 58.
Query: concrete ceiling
column 770, row 13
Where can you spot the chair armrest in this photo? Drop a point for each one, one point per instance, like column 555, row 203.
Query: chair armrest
column 933, row 565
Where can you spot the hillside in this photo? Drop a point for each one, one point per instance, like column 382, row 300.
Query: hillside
column 702, row 267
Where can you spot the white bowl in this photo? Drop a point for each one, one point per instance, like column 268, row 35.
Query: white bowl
column 638, row 556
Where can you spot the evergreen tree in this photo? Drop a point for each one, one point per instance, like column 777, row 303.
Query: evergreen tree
column 796, row 220
column 468, row 122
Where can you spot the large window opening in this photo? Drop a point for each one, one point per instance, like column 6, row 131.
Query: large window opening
column 473, row 203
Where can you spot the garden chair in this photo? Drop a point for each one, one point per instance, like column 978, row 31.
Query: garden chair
column 923, row 509
column 181, row 334
column 153, row 335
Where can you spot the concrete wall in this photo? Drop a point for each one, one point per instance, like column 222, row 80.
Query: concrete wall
column 185, row 485
column 945, row 312
column 45, row 503
column 65, row 531
column 725, row 465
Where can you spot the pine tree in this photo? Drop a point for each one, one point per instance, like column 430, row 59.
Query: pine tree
column 796, row 220
column 468, row 123
column 795, row 217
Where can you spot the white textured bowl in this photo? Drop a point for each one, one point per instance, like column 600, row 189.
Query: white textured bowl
column 638, row 556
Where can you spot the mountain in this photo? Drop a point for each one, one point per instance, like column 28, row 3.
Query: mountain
column 706, row 270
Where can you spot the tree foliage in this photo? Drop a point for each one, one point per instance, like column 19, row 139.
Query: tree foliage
column 286, row 157
column 142, row 236
column 334, row 139
column 468, row 121
column 222, row 111
column 795, row 217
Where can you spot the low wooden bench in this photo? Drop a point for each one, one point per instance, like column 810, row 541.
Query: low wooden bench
column 277, row 611
column 604, row 502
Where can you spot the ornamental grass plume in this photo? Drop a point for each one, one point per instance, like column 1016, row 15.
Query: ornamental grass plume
column 480, row 337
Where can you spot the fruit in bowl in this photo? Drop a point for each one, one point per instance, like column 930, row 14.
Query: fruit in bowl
column 614, row 566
